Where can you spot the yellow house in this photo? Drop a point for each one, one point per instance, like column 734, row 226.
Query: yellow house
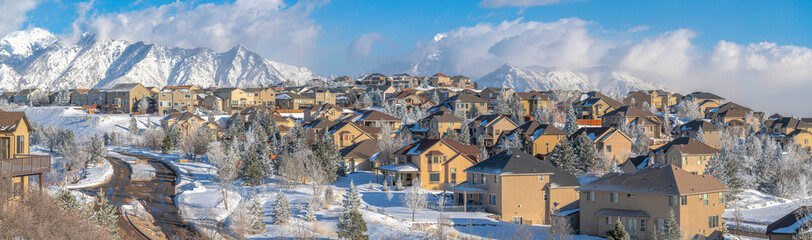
column 488, row 128
column 356, row 157
column 441, row 122
column 440, row 80
column 323, row 111
column 534, row 99
column 691, row 129
column 794, row 225
column 465, row 103
column 321, row 96
column 642, row 200
column 180, row 98
column 124, row 97
column 371, row 118
column 233, row 99
column 294, row 101
column 652, row 124
column 262, row 96
column 347, row 133
column 185, row 121
column 435, row 161
column 686, row 153
column 15, row 162
column 518, row 188
column 539, row 139
column 595, row 107
column 613, row 143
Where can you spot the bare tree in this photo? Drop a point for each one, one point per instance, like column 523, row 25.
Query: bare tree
column 387, row 145
column 194, row 144
column 414, row 199
column 560, row 228
column 226, row 168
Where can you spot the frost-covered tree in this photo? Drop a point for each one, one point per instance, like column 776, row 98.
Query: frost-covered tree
column 327, row 155
column 618, row 232
column 398, row 184
column 236, row 128
column 672, row 228
column 105, row 213
column 585, row 151
column 225, row 163
column 351, row 223
column 563, row 156
column 688, row 109
column 255, row 216
column 465, row 134
column 96, row 150
column 700, row 135
column 281, row 209
column 113, row 139
column 387, row 146
column 414, row 199
column 143, row 105
column 195, row 143
column 62, row 98
column 312, row 208
column 570, row 124
column 133, row 126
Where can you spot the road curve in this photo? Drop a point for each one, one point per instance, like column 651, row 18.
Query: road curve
column 157, row 194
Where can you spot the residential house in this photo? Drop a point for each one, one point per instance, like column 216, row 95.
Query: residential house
column 441, row 122
column 323, row 111
column 642, row 200
column 186, row 122
column 686, row 153
column 611, row 143
column 795, row 225
column 92, row 97
column 518, row 187
column 788, row 130
column 491, row 93
column 403, row 80
column 440, row 80
column 539, row 139
column 344, row 80
column 634, row 164
column 76, row 96
column 440, row 93
column 233, row 99
column 654, row 98
column 710, row 131
column 124, row 97
column 651, row 124
column 386, row 91
column 294, row 101
column 320, row 96
column 177, row 98
column 468, row 104
column 409, row 98
column 731, row 111
column 16, row 164
column 213, row 102
column 8, row 96
column 435, row 161
column 359, row 156
column 533, row 100
column 347, row 133
column 29, row 96
column 376, row 79
column 698, row 97
column 371, row 118
column 488, row 128
column 595, row 107
column 462, row 82
column 262, row 96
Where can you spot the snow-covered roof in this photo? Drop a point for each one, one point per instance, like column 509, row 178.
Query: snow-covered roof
column 400, row 168
column 567, row 212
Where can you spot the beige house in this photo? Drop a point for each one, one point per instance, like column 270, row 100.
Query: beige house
column 356, row 157
column 321, row 96
column 488, row 128
column 124, row 97
column 686, row 153
column 440, row 80
column 441, row 122
column 347, row 133
column 595, row 107
column 294, row 101
column 323, row 111
column 462, row 82
column 371, row 118
column 534, row 99
column 652, row 125
column 655, row 98
column 491, row 93
column 788, row 130
column 465, row 103
column 16, row 164
column 179, row 98
column 187, row 122
column 262, row 96
column 710, row 131
column 642, row 200
column 435, row 161
column 518, row 188
column 699, row 97
column 233, row 99
column 540, row 139
column 610, row 142
column 731, row 111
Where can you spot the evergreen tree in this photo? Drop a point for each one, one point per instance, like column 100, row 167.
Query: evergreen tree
column 133, row 126
column 585, row 151
column 327, row 154
column 96, row 150
column 236, row 128
column 351, row 223
column 167, row 145
column 105, row 213
column 281, row 209
column 312, row 208
column 618, row 232
column 571, row 125
column 465, row 134
column 563, row 156
column 257, row 224
column 672, row 229
column 724, row 166
column 700, row 135
column 106, row 138
column 113, row 139
column 251, row 172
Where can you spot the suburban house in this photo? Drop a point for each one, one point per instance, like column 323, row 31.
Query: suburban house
column 357, row 156
column 440, row 80
column 517, row 187
column 179, row 98
column 371, row 118
column 386, row 91
column 795, row 225
column 16, row 163
column 8, row 96
column 539, row 139
column 610, row 142
column 651, row 124
column 698, row 97
column 322, row 111
column 441, row 93
column 253, row 113
column 595, row 107
column 710, row 131
column 347, row 133
column 233, row 99
column 376, row 79
column 291, row 100
column 435, row 161
column 441, row 122
column 788, row 130
column 403, row 80
column 27, row 96
column 491, row 93
column 686, row 153
column 212, row 102
column 642, row 200
column 462, row 82
column 185, row 121
column 731, row 111
column 534, row 99
column 76, row 96
column 408, row 98
column 262, row 96
column 488, row 128
column 320, row 96
column 465, row 103
column 124, row 97
column 654, row 98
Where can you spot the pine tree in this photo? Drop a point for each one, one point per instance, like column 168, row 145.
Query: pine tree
column 105, row 213
column 585, row 151
column 351, row 223
column 672, row 229
column 257, row 224
column 312, row 208
column 618, row 232
column 571, row 125
column 133, row 126
column 113, row 139
column 327, row 154
column 281, row 209
column 465, row 134
column 236, row 128
column 167, row 145
column 563, row 156
column 700, row 135
column 96, row 150
column 106, row 138
column 251, row 171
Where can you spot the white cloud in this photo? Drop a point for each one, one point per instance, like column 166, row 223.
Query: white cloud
column 273, row 29
column 638, row 28
column 517, row 3
column 12, row 14
column 765, row 76
column 362, row 46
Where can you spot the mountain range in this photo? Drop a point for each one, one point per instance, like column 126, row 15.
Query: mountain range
column 37, row 58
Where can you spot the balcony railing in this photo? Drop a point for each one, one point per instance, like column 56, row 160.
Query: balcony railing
column 24, row 164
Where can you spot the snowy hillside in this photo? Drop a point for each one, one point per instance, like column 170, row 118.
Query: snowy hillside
column 36, row 58
column 604, row 79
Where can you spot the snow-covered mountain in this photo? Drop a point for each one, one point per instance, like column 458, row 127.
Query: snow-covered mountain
column 604, row 79
column 36, row 58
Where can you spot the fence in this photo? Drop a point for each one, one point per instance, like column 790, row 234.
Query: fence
column 457, row 208
column 24, row 165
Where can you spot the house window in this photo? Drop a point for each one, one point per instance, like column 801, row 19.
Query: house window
column 721, row 197
column 642, row 225
column 492, row 199
column 713, row 221
column 705, row 199
column 659, row 225
column 453, row 178
column 435, row 159
column 608, row 148
column 684, row 161
column 20, row 144
column 434, row 177
column 517, row 220
column 613, row 197
column 496, row 179
column 672, row 200
column 590, row 196
column 684, row 200
column 541, row 178
column 699, row 160
column 484, row 179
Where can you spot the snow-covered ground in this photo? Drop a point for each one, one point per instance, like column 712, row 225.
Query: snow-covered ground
column 140, row 171
column 757, row 210
column 95, row 174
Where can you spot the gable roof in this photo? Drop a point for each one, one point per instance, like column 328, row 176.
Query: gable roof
column 533, row 95
column 663, row 179
column 687, row 145
column 799, row 219
column 182, row 116
column 440, row 75
column 696, row 124
column 788, row 122
column 629, row 112
column 597, row 134
column 515, row 161
column 123, row 87
column 9, row 121
column 490, row 119
column 704, row 95
column 372, row 115
column 363, row 149
column 444, row 116
column 464, row 98
column 469, row 151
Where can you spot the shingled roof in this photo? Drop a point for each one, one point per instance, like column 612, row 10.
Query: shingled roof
column 665, row 179
column 9, row 121
column 696, row 124
column 363, row 149
column 419, row 147
column 687, row 145
column 791, row 223
column 515, row 161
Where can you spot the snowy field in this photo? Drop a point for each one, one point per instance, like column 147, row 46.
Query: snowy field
column 757, row 210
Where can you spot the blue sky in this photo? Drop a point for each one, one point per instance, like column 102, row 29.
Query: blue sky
column 404, row 24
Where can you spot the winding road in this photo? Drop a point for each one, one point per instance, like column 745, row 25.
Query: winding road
column 157, row 194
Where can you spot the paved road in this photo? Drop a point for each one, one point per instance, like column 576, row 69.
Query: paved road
column 158, row 195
